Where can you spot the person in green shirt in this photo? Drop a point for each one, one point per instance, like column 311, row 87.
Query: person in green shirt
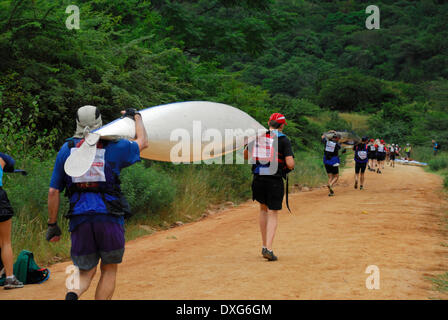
column 408, row 150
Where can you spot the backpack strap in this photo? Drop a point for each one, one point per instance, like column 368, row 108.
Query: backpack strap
column 287, row 192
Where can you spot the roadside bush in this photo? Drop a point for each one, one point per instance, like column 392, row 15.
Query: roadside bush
column 147, row 189
column 439, row 163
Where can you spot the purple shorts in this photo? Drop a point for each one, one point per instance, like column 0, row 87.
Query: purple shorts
column 92, row 241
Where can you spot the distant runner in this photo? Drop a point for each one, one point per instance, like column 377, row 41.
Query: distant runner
column 436, row 147
column 380, row 155
column 272, row 159
column 361, row 150
column 398, row 149
column 387, row 148
column 371, row 155
column 331, row 160
column 408, row 150
column 392, row 155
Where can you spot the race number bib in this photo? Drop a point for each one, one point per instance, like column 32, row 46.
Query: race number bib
column 372, row 148
column 96, row 170
column 362, row 155
column 380, row 148
column 263, row 148
column 330, row 146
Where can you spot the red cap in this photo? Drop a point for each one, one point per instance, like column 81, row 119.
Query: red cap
column 382, row 141
column 278, row 117
column 371, row 140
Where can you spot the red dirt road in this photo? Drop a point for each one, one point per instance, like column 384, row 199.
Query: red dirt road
column 324, row 248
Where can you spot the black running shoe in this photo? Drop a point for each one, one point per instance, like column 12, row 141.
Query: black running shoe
column 263, row 251
column 270, row 255
column 361, row 188
column 356, row 184
column 12, row 283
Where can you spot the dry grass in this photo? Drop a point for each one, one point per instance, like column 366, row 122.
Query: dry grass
column 358, row 122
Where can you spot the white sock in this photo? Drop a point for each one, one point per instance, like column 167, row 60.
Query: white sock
column 10, row 277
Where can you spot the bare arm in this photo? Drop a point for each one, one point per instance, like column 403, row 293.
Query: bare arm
column 2, row 163
column 53, row 205
column 141, row 137
column 290, row 162
column 246, row 154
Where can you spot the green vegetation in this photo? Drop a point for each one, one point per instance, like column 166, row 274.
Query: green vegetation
column 441, row 282
column 314, row 61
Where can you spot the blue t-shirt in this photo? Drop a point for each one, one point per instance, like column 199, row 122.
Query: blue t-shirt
column 361, row 151
column 9, row 166
column 118, row 155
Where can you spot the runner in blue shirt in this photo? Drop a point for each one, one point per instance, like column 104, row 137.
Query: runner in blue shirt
column 361, row 150
column 97, row 205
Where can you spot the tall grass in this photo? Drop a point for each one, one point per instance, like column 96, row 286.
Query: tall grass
column 441, row 282
column 309, row 170
column 439, row 163
column 358, row 122
column 423, row 153
column 436, row 163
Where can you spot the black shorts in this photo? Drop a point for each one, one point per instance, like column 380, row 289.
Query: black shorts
column 371, row 155
column 6, row 211
column 392, row 157
column 360, row 167
column 268, row 191
column 332, row 169
column 380, row 156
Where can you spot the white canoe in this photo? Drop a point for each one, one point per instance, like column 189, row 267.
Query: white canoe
column 177, row 132
column 200, row 125
column 412, row 162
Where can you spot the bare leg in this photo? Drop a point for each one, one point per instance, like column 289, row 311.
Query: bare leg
column 5, row 244
column 263, row 222
column 106, row 285
column 85, row 278
column 334, row 180
column 362, row 179
column 272, row 221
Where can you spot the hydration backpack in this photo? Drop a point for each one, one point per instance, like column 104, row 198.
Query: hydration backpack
column 27, row 271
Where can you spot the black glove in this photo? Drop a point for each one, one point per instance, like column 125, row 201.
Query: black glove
column 53, row 231
column 130, row 113
column 23, row 172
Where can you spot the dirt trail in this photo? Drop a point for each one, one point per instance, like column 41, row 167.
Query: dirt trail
column 323, row 248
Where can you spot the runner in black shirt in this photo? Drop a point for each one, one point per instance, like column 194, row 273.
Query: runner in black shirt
column 272, row 159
